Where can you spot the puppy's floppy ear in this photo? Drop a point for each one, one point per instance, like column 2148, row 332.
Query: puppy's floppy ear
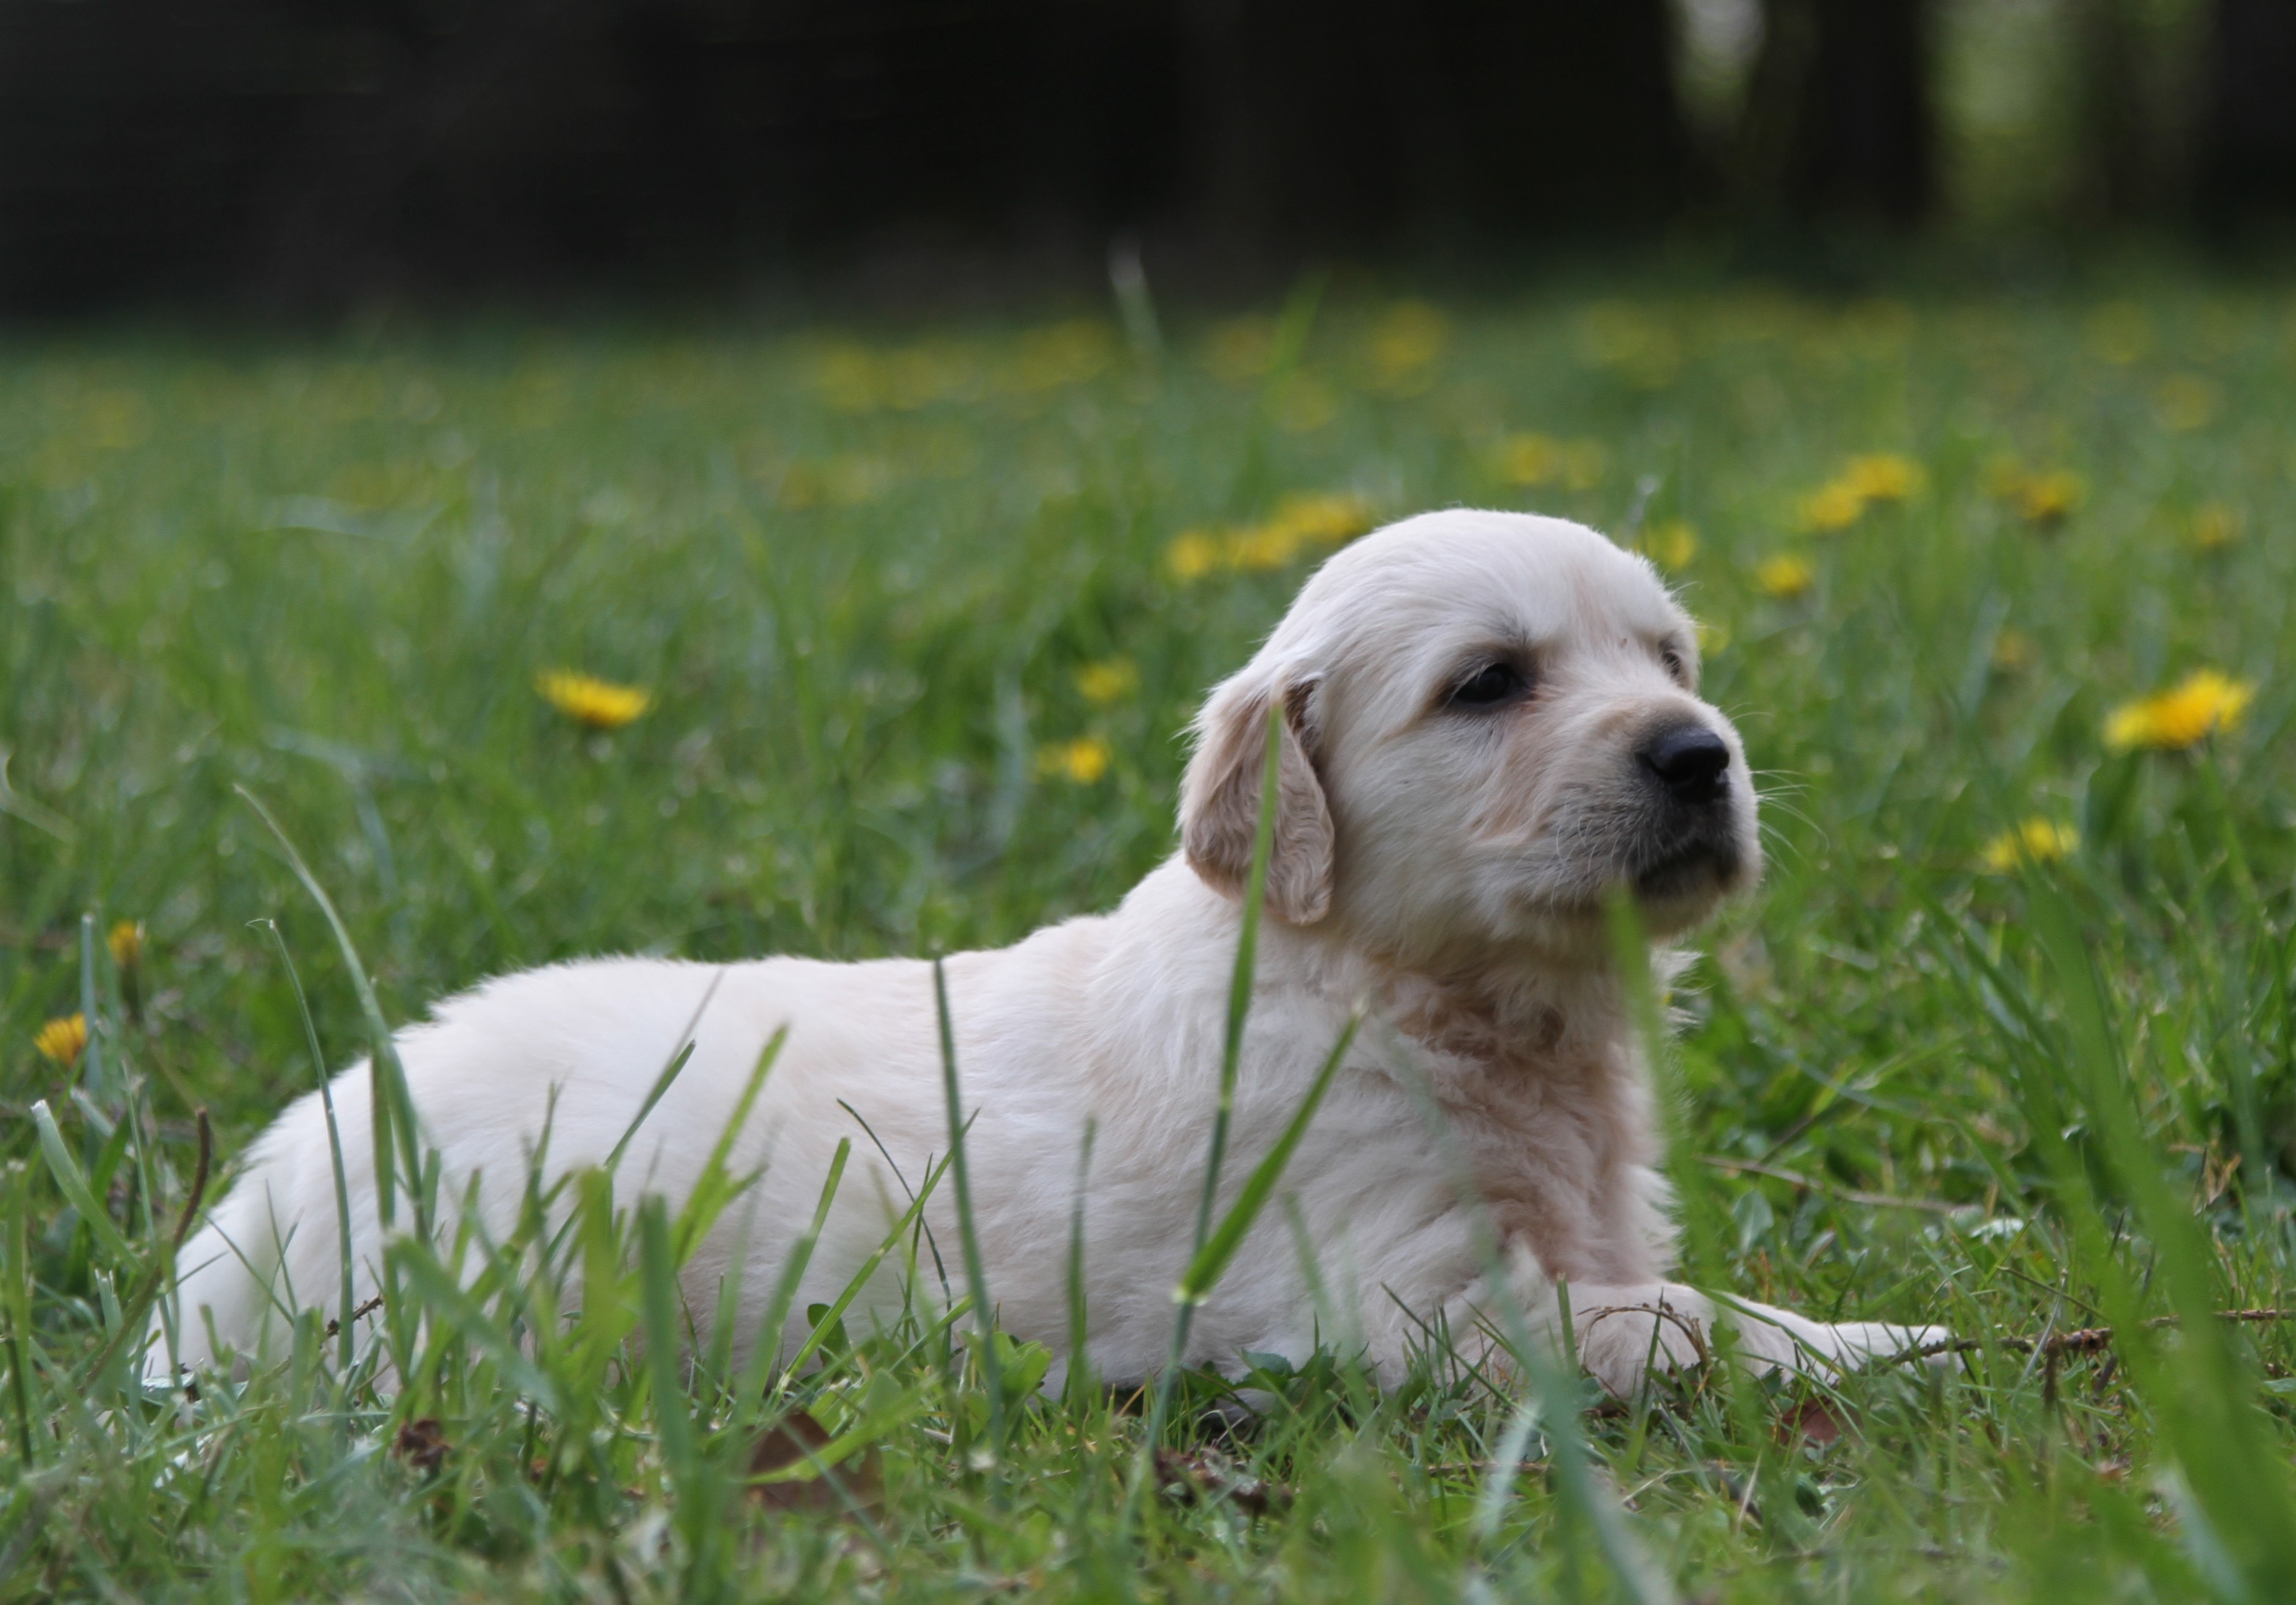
column 1219, row 801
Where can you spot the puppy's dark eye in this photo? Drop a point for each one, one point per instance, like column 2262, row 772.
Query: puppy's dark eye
column 1490, row 687
column 1674, row 664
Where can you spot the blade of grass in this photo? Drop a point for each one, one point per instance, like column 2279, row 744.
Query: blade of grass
column 445, row 1301
column 976, row 1270
column 1212, row 1260
column 660, row 1301
column 346, row 1301
column 764, row 1353
column 1078, row 1387
column 393, row 1101
column 716, row 1188
column 670, row 1073
column 16, row 1267
column 91, row 1055
column 835, row 1313
column 73, row 1181
column 1240, row 978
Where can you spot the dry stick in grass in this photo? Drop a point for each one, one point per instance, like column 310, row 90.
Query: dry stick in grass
column 2053, row 1346
column 198, row 1175
column 2080, row 1340
column 359, row 1312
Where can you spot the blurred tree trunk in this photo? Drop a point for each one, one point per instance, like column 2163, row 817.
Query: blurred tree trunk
column 2143, row 95
column 1356, row 122
column 2248, row 142
column 2110, row 167
column 1839, row 120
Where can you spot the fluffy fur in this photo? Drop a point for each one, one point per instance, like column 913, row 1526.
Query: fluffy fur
column 1440, row 855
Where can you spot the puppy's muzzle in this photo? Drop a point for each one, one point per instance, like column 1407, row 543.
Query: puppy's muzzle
column 1689, row 762
column 1690, row 844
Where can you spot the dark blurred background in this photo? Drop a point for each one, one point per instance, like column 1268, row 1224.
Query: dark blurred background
column 284, row 155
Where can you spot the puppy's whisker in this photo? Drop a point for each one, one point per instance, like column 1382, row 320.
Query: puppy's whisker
column 1778, row 805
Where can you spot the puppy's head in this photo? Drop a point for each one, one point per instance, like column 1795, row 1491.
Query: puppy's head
column 1487, row 720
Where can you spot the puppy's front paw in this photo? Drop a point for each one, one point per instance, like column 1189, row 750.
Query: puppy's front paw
column 1624, row 1333
column 1774, row 1338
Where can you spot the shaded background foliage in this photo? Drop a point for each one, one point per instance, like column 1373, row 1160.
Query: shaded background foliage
column 263, row 154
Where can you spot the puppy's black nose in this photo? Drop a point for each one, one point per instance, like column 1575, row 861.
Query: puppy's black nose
column 1689, row 760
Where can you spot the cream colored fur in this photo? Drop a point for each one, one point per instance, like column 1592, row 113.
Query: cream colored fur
column 1445, row 867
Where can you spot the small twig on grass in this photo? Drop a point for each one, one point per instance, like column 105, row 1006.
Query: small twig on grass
column 361, row 1314
column 198, row 1178
column 2080, row 1340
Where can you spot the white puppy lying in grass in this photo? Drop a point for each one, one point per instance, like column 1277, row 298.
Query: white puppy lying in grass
column 1488, row 722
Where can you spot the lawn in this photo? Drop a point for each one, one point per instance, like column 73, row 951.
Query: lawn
column 2004, row 1040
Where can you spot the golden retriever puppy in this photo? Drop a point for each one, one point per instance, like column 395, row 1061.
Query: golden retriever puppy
column 1489, row 722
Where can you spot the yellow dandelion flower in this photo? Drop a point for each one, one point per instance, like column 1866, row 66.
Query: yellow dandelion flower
column 2046, row 497
column 1830, row 508
column 1082, row 760
column 1066, row 353
column 1326, row 520
column 1404, row 345
column 62, row 1041
column 2215, row 526
column 1670, row 543
column 2203, row 702
column 1538, row 459
column 915, row 376
column 1882, row 476
column 1107, row 681
column 2013, row 650
column 1584, row 464
column 1191, row 556
column 126, row 940
column 586, row 700
column 1874, row 477
column 1527, row 459
column 1267, row 546
column 2186, row 402
column 801, row 486
column 1298, row 523
column 2038, row 840
column 1784, row 576
column 849, row 378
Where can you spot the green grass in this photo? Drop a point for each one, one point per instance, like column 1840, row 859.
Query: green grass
column 860, row 572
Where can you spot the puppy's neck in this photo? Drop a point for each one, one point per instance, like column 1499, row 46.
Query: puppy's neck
column 1508, row 1017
